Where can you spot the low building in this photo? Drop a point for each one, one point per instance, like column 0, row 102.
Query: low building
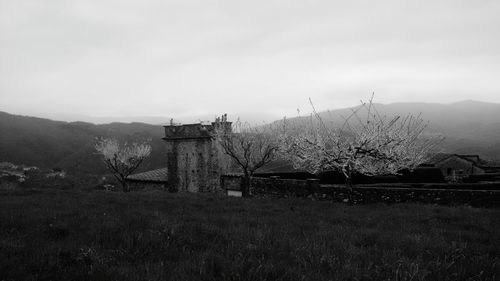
column 456, row 167
column 155, row 179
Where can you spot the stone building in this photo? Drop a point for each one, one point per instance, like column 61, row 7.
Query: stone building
column 195, row 161
column 455, row 167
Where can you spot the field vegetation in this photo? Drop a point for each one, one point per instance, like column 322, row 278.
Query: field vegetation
column 72, row 235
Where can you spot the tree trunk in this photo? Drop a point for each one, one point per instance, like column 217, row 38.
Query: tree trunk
column 348, row 182
column 125, row 186
column 245, row 185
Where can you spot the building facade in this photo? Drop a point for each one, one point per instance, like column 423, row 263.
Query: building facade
column 455, row 167
column 195, row 161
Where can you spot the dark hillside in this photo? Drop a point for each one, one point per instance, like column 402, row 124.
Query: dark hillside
column 48, row 144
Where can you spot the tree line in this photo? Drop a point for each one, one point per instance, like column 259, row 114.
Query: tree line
column 367, row 143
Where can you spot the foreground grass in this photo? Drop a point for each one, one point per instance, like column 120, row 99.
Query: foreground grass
column 66, row 235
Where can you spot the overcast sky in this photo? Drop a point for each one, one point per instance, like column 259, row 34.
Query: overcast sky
column 255, row 59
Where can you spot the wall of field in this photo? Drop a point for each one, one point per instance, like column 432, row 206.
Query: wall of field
column 474, row 194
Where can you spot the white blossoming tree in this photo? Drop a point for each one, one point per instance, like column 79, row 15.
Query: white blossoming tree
column 367, row 143
column 249, row 147
column 122, row 160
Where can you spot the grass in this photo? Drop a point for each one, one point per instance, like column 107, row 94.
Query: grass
column 70, row 235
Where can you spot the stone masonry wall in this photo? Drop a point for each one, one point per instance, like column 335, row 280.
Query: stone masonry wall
column 481, row 195
column 272, row 185
column 135, row 185
column 195, row 161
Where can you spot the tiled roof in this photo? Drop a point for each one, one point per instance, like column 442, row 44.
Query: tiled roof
column 158, row 175
column 438, row 157
column 279, row 166
column 474, row 159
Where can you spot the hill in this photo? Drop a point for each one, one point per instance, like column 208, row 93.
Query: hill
column 470, row 127
column 69, row 145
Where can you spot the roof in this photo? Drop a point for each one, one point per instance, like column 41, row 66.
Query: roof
column 279, row 166
column 472, row 158
column 439, row 157
column 158, row 175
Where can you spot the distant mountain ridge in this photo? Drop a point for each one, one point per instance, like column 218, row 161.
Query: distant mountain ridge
column 470, row 127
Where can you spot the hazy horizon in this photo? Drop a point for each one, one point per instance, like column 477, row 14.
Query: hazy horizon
column 259, row 60
column 161, row 120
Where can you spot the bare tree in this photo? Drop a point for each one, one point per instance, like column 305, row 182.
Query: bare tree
column 249, row 147
column 122, row 160
column 367, row 143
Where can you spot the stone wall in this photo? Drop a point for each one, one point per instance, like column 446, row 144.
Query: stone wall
column 292, row 187
column 363, row 195
column 481, row 195
column 195, row 160
column 189, row 164
column 272, row 185
column 231, row 182
column 137, row 185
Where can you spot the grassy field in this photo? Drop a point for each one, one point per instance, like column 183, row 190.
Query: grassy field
column 70, row 235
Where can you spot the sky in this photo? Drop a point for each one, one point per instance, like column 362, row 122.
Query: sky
column 258, row 60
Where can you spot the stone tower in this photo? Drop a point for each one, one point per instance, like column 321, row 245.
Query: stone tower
column 195, row 161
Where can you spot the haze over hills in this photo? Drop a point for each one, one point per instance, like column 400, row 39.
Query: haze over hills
column 250, row 117
column 470, row 127
column 461, row 119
